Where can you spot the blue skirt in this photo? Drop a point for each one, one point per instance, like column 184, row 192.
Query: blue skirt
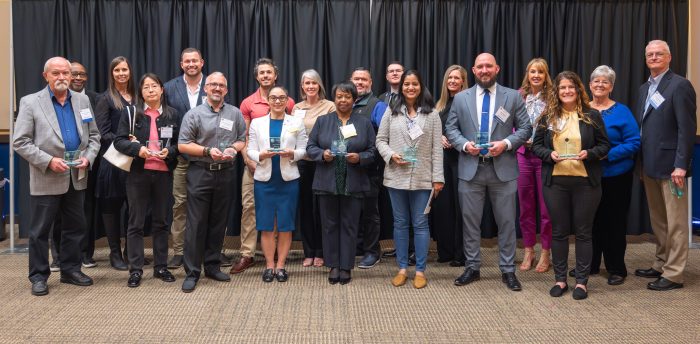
column 276, row 198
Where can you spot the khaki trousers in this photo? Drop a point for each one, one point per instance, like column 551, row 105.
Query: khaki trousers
column 249, row 235
column 180, row 206
column 669, row 221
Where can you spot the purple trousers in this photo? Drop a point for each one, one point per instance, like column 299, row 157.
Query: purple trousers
column 529, row 196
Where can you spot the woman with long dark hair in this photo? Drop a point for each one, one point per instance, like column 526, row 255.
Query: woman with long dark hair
column 410, row 142
column 117, row 102
column 153, row 144
column 571, row 141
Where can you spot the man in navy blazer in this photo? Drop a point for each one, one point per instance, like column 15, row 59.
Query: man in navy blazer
column 498, row 114
column 183, row 93
column 666, row 116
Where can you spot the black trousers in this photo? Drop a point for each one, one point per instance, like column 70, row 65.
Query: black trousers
column 45, row 209
column 148, row 189
column 208, row 204
column 308, row 217
column 610, row 224
column 446, row 216
column 572, row 203
column 340, row 221
column 370, row 221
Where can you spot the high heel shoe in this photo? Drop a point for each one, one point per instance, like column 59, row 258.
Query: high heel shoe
column 545, row 262
column 528, row 260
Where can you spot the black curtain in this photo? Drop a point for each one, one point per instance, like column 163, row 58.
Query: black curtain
column 333, row 37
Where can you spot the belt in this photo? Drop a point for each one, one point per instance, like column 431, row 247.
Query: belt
column 214, row 166
column 485, row 159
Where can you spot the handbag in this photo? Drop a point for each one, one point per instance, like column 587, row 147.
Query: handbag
column 117, row 158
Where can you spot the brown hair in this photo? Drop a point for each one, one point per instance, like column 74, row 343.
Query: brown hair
column 537, row 63
column 112, row 91
column 554, row 110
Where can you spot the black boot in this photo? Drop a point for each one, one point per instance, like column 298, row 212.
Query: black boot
column 113, row 233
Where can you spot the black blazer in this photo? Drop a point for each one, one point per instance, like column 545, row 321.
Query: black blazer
column 142, row 130
column 594, row 139
column 325, row 130
column 668, row 132
column 176, row 94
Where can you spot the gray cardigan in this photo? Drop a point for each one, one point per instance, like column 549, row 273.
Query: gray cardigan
column 393, row 136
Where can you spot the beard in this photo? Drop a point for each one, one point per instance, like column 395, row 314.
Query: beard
column 60, row 86
column 487, row 83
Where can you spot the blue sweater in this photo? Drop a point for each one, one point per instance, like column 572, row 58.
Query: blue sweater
column 623, row 134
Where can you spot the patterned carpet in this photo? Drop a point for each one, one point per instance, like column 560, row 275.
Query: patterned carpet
column 369, row 310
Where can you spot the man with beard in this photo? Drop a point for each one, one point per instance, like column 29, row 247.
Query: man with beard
column 211, row 135
column 373, row 109
column 254, row 106
column 50, row 123
column 491, row 114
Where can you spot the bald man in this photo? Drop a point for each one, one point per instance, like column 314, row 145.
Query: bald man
column 493, row 117
column 50, row 123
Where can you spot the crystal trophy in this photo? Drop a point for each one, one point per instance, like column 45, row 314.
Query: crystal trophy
column 154, row 146
column 275, row 144
column 567, row 153
column 675, row 189
column 226, row 149
column 409, row 155
column 72, row 158
column 339, row 148
column 482, row 140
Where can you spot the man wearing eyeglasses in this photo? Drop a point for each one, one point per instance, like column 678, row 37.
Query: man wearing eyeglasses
column 394, row 72
column 256, row 105
column 666, row 117
column 211, row 135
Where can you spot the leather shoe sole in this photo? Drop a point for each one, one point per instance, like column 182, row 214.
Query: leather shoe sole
column 242, row 265
column 616, row 279
column 663, row 284
column 467, row 278
column 511, row 282
column 189, row 285
column 165, row 276
column 40, row 288
column 71, row 280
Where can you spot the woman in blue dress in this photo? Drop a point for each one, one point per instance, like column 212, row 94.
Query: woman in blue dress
column 277, row 142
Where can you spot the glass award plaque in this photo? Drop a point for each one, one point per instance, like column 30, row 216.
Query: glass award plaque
column 154, row 146
column 226, row 149
column 339, row 148
column 567, row 153
column 482, row 140
column 71, row 158
column 409, row 155
column 275, row 144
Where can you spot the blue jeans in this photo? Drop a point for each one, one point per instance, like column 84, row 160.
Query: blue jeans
column 408, row 206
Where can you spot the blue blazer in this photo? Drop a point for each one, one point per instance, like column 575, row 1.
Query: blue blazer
column 176, row 94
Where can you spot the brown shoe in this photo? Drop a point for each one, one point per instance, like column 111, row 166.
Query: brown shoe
column 399, row 280
column 419, row 282
column 242, row 265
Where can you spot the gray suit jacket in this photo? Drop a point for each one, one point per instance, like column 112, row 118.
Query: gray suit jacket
column 37, row 138
column 176, row 94
column 463, row 124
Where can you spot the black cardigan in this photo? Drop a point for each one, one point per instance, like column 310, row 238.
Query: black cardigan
column 594, row 139
column 142, row 130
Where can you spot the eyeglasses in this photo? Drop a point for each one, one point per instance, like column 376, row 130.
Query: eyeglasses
column 215, row 85
column 150, row 87
column 279, row 99
column 79, row 74
column 655, row 54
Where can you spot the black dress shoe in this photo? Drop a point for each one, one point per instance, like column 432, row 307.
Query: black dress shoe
column 226, row 260
column 456, row 263
column 616, row 279
column 268, row 275
column 579, row 294
column 663, row 284
column 281, row 275
column 389, row 254
column 40, row 288
column 345, row 277
column 558, row 291
column 511, row 281
column 189, row 284
column 134, row 280
column 77, row 278
column 117, row 262
column 218, row 275
column 470, row 275
column 334, row 276
column 647, row 273
column 164, row 274
column 175, row 262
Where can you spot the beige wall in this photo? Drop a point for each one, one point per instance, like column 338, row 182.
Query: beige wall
column 5, row 71
column 694, row 51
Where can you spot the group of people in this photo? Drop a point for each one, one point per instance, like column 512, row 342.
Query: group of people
column 322, row 166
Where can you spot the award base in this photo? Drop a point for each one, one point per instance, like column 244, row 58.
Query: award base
column 483, row 145
column 567, row 156
column 72, row 163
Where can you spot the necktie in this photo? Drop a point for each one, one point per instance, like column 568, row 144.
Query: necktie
column 484, row 128
column 392, row 99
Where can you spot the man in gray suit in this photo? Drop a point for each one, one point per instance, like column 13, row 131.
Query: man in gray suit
column 495, row 116
column 51, row 122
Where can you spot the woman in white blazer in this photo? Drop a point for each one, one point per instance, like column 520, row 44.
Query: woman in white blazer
column 276, row 143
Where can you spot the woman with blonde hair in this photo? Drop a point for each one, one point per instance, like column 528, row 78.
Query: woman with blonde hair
column 536, row 85
column 446, row 217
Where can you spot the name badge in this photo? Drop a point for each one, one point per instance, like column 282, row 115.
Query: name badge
column 502, row 114
column 656, row 100
column 300, row 113
column 415, row 132
column 166, row 132
column 348, row 131
column 86, row 115
column 226, row 124
column 204, row 99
